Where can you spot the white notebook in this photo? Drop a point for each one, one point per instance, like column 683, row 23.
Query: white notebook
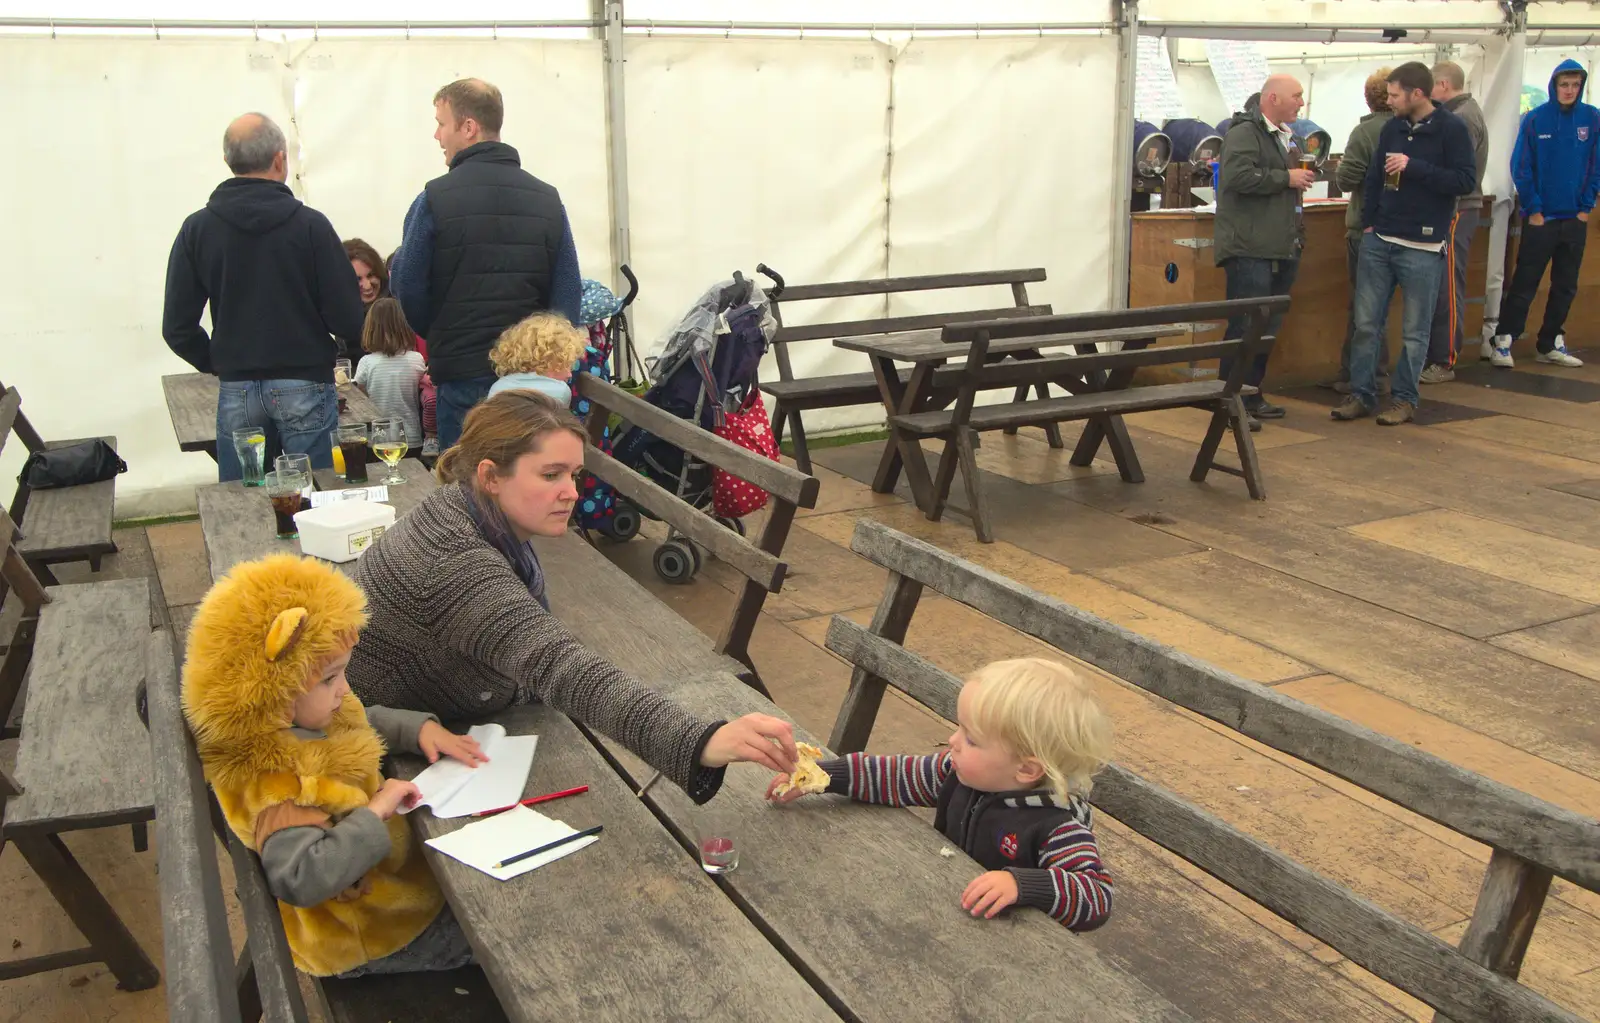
column 487, row 842
column 452, row 789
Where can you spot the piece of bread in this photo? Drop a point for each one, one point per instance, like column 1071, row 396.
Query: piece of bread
column 807, row 776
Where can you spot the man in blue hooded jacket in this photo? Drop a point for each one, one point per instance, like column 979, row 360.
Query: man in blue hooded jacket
column 1556, row 169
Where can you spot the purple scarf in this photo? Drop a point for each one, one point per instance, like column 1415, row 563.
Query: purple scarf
column 494, row 528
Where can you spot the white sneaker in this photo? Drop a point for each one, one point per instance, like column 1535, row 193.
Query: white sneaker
column 1500, row 352
column 1486, row 352
column 1558, row 356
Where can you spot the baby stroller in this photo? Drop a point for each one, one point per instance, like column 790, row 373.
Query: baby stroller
column 707, row 368
column 610, row 355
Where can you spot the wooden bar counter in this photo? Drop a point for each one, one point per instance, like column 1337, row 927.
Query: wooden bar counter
column 1173, row 263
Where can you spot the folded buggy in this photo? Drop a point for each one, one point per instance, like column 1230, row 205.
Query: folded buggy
column 705, row 372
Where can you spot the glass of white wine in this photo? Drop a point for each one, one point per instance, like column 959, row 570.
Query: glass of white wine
column 389, row 443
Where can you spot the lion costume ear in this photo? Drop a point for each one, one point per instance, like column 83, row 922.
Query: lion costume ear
column 286, row 631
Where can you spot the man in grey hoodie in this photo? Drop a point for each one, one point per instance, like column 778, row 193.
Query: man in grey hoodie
column 1444, row 344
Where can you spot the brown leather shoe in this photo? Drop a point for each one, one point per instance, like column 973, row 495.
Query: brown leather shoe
column 1398, row 412
column 1353, row 408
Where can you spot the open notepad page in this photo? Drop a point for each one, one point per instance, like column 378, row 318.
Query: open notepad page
column 487, row 842
column 452, row 789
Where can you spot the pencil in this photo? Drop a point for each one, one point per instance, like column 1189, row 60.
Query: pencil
column 558, row 843
column 530, row 801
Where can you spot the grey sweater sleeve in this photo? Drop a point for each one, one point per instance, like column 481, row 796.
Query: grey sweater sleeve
column 485, row 613
column 398, row 728
column 307, row 866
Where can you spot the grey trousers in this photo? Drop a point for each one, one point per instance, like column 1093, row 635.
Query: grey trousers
column 1449, row 313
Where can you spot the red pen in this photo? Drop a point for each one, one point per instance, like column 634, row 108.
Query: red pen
column 535, row 799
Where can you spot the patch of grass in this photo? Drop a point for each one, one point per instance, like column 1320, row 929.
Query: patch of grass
column 155, row 520
column 837, row 440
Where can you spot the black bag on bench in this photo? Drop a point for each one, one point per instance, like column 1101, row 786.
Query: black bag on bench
column 93, row 461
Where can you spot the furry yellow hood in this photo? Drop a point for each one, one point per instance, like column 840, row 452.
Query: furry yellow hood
column 253, row 645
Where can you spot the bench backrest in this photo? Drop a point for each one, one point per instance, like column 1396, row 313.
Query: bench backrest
column 1532, row 839
column 759, row 561
column 205, row 981
column 13, row 421
column 17, row 577
column 1017, row 280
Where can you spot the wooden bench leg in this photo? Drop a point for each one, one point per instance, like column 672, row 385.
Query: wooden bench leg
column 1502, row 922
column 89, row 911
column 860, row 707
column 1052, row 431
column 244, row 981
column 1208, row 447
column 42, row 571
column 978, row 505
column 1020, row 395
column 141, row 837
column 1249, row 464
column 797, row 437
column 942, row 482
column 1115, row 432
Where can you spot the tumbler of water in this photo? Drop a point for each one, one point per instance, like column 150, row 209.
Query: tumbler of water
column 250, row 445
column 716, row 838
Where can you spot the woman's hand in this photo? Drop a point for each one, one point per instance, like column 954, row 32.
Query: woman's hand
column 434, row 739
column 392, row 796
column 755, row 738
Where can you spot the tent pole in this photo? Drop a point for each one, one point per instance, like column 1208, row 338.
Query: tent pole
column 1127, row 19
column 1503, row 111
column 616, row 137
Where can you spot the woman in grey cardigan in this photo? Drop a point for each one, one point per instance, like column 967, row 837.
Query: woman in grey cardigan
column 459, row 624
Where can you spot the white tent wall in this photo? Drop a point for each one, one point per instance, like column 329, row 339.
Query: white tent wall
column 90, row 229
column 364, row 120
column 747, row 151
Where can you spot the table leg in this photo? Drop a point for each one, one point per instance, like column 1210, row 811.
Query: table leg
column 89, row 911
column 904, row 451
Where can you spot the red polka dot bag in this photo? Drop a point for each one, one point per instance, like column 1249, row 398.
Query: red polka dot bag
column 748, row 427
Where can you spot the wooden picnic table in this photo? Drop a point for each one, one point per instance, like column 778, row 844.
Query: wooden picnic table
column 237, row 521
column 835, row 910
column 931, row 387
column 192, row 404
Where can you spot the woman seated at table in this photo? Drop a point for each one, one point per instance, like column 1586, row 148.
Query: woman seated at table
column 459, row 624
column 372, row 276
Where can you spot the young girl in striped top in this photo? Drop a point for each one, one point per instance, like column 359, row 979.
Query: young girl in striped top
column 1010, row 791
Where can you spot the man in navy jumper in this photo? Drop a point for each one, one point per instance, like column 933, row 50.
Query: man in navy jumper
column 485, row 246
column 1423, row 163
column 1557, row 174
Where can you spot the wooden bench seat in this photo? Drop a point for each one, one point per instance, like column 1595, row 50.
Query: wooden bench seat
column 843, row 390
column 1532, row 840
column 83, row 760
column 1058, row 409
column 838, row 391
column 59, row 525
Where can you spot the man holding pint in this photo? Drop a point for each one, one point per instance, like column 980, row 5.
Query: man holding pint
column 1422, row 165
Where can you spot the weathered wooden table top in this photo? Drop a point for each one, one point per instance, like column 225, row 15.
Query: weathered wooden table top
column 927, row 346
column 238, row 525
column 860, row 894
column 627, row 929
column 192, row 404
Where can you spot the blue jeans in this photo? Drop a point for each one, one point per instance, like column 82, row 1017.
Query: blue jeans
column 1384, row 267
column 455, row 399
column 298, row 417
column 1249, row 277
